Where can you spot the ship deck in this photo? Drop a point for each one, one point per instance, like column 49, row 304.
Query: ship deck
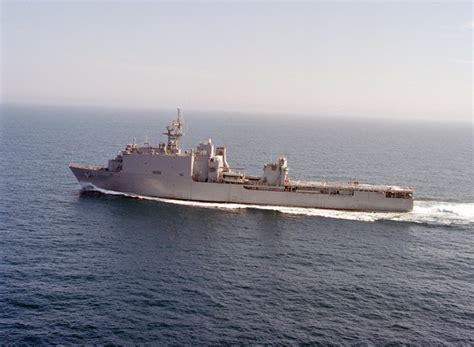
column 350, row 186
column 86, row 167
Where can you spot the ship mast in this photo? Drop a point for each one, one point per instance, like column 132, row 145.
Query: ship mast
column 175, row 131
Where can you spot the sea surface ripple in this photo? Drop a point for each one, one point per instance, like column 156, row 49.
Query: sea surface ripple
column 96, row 267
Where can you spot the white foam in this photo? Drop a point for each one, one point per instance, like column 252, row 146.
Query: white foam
column 430, row 212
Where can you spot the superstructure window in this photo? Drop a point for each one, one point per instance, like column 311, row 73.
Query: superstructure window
column 157, row 172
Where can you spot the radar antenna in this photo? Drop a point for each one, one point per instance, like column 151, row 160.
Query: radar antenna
column 175, row 131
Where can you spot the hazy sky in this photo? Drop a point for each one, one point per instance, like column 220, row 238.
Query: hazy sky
column 376, row 59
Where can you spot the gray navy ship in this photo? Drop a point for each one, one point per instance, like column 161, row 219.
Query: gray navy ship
column 203, row 174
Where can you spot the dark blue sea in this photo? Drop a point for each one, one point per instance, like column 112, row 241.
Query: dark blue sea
column 98, row 268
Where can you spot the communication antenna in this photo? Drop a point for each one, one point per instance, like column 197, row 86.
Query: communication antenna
column 182, row 122
column 175, row 131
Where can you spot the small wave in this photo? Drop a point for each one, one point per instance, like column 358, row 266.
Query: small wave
column 424, row 211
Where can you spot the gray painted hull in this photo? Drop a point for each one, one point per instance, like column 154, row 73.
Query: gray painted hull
column 184, row 188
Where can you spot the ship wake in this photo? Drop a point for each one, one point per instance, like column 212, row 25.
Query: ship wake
column 424, row 211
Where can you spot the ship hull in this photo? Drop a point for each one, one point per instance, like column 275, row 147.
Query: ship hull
column 184, row 188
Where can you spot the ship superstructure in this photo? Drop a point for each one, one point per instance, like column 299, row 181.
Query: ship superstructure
column 203, row 174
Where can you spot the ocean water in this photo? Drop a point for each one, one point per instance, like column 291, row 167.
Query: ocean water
column 101, row 267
